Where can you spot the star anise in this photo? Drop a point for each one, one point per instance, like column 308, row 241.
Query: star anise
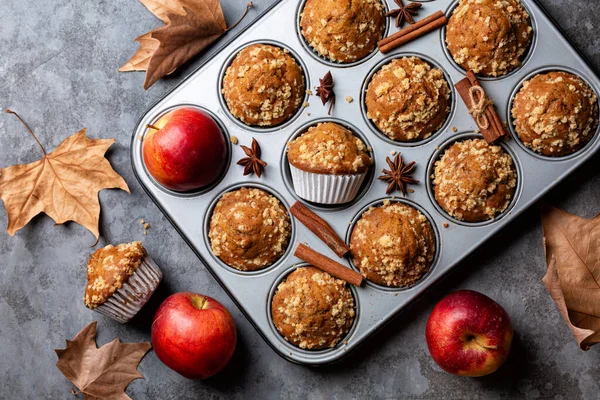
column 399, row 175
column 252, row 163
column 404, row 13
column 325, row 90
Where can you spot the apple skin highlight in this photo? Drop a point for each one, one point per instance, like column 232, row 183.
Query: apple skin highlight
column 469, row 334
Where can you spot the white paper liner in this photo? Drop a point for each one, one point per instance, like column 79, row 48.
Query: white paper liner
column 326, row 189
column 125, row 303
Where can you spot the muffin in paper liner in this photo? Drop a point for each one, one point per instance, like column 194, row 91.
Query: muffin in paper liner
column 121, row 279
column 326, row 189
column 328, row 163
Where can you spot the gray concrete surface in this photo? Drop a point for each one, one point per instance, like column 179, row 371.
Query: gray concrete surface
column 58, row 68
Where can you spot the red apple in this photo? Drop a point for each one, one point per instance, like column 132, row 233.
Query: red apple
column 193, row 335
column 185, row 150
column 469, row 334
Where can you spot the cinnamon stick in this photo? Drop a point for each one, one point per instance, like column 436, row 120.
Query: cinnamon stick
column 490, row 111
column 328, row 265
column 426, row 25
column 495, row 128
column 319, row 227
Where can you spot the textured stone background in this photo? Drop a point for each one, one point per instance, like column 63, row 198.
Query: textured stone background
column 58, row 68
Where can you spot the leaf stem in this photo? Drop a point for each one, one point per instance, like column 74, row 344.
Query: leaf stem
column 148, row 126
column 28, row 128
column 248, row 6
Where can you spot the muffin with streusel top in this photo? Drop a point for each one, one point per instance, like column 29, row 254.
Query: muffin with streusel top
column 121, row 279
column 249, row 229
column 555, row 113
column 393, row 244
column 474, row 181
column 343, row 30
column 408, row 100
column 489, row 37
column 264, row 85
column 312, row 310
column 328, row 163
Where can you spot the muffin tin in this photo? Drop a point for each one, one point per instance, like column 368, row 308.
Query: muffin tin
column 376, row 305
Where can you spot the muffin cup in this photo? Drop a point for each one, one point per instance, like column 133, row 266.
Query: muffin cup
column 326, row 189
column 125, row 303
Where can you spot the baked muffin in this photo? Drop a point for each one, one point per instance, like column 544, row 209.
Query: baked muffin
column 474, row 181
column 263, row 86
column 343, row 30
column 393, row 244
column 249, row 229
column 555, row 113
column 328, row 164
column 121, row 279
column 312, row 310
column 408, row 99
column 489, row 37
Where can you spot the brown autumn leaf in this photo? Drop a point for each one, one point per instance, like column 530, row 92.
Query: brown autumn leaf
column 63, row 184
column 190, row 26
column 100, row 373
column 572, row 246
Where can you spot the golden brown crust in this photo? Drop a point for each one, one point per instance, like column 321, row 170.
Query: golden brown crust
column 312, row 309
column 489, row 37
column 249, row 229
column 108, row 269
column 408, row 100
column 343, row 30
column 474, row 181
column 329, row 148
column 555, row 113
column 393, row 245
column 263, row 86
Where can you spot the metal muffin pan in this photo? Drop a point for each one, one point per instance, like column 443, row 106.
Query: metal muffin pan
column 376, row 305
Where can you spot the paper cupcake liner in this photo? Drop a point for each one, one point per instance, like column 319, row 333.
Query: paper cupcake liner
column 326, row 189
column 125, row 303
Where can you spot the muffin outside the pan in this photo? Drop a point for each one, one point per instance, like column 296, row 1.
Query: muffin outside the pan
column 249, row 229
column 121, row 279
column 264, row 85
column 489, row 37
column 555, row 113
column 408, row 99
column 328, row 164
column 474, row 181
column 343, row 30
column 312, row 310
column 393, row 244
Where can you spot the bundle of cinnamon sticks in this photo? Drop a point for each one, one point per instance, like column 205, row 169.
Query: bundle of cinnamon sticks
column 481, row 108
column 420, row 28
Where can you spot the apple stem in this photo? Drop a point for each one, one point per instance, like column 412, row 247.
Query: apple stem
column 28, row 128
column 248, row 6
column 152, row 127
column 484, row 346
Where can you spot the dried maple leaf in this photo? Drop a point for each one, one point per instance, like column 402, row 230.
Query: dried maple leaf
column 572, row 246
column 63, row 184
column 100, row 373
column 190, row 26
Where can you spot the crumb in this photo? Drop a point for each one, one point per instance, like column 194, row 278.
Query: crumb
column 437, row 147
column 446, row 225
column 305, row 104
column 308, row 92
column 146, row 226
column 410, row 190
column 140, row 138
column 234, row 140
column 145, row 232
column 393, row 152
column 308, row 114
column 142, row 221
column 477, row 131
column 396, row 295
column 349, row 99
column 454, row 129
